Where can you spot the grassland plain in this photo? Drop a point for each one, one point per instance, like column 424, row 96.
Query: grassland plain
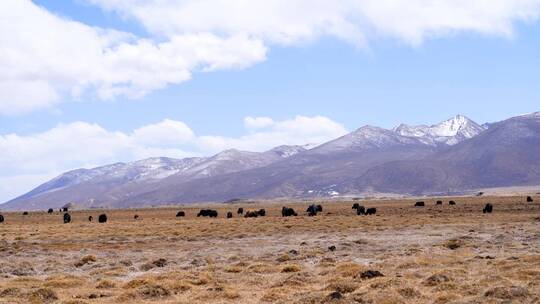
column 435, row 254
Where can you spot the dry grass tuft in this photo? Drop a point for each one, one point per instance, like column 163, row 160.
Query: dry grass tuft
column 43, row 295
column 507, row 293
column 154, row 291
column 342, row 285
column 291, row 268
column 454, row 244
column 436, row 279
column 263, row 268
column 86, row 260
column 349, row 269
column 105, row 284
column 63, row 281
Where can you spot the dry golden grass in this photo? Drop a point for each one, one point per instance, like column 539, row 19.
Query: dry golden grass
column 435, row 254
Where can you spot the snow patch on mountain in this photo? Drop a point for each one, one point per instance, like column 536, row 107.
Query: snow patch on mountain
column 367, row 137
column 449, row 132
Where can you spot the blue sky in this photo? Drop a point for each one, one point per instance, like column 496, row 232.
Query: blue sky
column 314, row 80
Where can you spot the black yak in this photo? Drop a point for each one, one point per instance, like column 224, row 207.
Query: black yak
column 451, row 203
column 65, row 209
column 240, row 211
column 286, row 211
column 207, row 213
column 371, row 211
column 251, row 214
column 90, row 218
column 419, row 204
column 355, row 206
column 102, row 218
column 488, row 208
column 25, row 213
column 1, row 218
column 312, row 210
column 136, row 217
column 50, row 211
column 229, row 215
column 180, row 214
column 360, row 210
column 261, row 212
column 67, row 218
column 529, row 199
column 438, row 203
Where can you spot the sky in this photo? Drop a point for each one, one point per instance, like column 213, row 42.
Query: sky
column 85, row 83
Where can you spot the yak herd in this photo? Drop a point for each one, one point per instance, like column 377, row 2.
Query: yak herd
column 312, row 210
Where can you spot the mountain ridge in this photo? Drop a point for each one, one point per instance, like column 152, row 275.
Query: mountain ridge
column 367, row 159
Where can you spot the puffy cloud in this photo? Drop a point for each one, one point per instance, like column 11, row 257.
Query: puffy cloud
column 164, row 134
column 26, row 160
column 291, row 21
column 301, row 130
column 45, row 59
column 257, row 122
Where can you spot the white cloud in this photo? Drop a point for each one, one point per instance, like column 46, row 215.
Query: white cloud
column 258, row 122
column 26, row 160
column 45, row 59
column 301, row 130
column 19, row 96
column 168, row 133
column 291, row 21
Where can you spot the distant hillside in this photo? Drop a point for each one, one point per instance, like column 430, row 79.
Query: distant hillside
column 453, row 156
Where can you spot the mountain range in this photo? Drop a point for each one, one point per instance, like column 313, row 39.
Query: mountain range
column 451, row 157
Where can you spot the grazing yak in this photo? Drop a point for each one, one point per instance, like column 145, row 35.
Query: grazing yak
column 240, row 211
column 420, row 204
column 65, row 209
column 136, row 217
column 355, row 206
column 529, row 199
column 102, row 218
column 229, row 215
column 312, row 210
column 261, row 212
column 451, row 203
column 180, row 214
column 438, row 203
column 251, row 214
column 50, row 211
column 1, row 218
column 67, row 218
column 90, row 218
column 371, row 211
column 286, row 211
column 360, row 210
column 207, row 213
column 488, row 208
column 25, row 213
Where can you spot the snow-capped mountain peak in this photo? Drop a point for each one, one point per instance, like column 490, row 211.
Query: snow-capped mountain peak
column 449, row 132
column 456, row 125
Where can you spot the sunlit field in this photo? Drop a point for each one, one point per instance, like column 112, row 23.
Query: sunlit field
column 403, row 254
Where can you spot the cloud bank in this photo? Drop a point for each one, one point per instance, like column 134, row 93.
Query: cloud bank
column 47, row 59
